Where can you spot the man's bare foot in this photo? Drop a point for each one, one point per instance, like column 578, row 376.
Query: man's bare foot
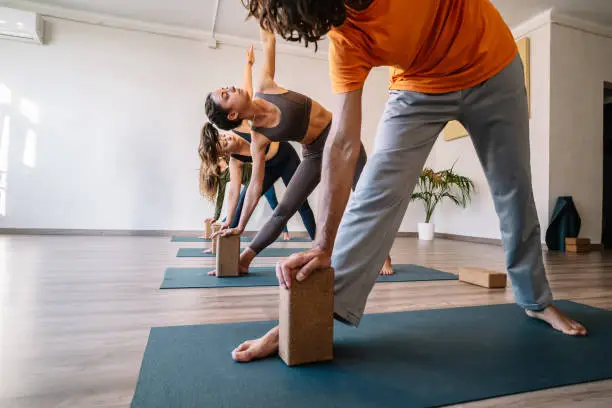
column 387, row 268
column 286, row 236
column 257, row 349
column 242, row 270
column 559, row 321
column 207, row 251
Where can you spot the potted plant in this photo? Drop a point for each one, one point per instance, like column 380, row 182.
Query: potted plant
column 433, row 187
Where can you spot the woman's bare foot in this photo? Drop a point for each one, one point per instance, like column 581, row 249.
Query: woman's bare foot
column 387, row 268
column 242, row 270
column 559, row 321
column 286, row 236
column 257, row 349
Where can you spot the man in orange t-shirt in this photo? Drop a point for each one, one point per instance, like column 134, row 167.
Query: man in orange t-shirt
column 450, row 60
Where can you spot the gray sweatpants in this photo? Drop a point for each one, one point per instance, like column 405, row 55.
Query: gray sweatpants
column 495, row 114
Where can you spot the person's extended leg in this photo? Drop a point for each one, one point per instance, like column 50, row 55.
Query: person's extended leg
column 496, row 115
column 291, row 165
column 270, row 195
column 407, row 131
column 304, row 181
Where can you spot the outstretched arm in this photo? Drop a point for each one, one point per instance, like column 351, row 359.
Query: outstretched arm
column 255, row 190
column 269, row 64
column 234, row 192
column 339, row 162
column 248, row 72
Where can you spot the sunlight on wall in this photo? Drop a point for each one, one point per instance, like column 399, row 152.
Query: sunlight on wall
column 30, row 110
column 5, row 94
column 4, row 144
column 4, row 149
column 29, row 151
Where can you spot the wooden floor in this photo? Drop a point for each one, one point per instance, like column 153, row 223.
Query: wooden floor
column 76, row 311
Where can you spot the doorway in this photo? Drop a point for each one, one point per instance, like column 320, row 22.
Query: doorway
column 606, row 238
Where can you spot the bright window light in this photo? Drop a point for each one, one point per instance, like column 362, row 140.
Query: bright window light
column 30, row 110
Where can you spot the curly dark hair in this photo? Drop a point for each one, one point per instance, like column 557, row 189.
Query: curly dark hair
column 218, row 115
column 209, row 151
column 298, row 20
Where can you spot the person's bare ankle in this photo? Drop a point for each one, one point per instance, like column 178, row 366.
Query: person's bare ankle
column 387, row 268
column 246, row 257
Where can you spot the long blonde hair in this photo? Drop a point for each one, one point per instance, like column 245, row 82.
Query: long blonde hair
column 210, row 153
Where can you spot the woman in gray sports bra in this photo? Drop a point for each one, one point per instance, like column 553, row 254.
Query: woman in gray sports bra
column 276, row 115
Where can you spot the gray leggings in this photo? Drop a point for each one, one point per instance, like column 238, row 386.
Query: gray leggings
column 302, row 184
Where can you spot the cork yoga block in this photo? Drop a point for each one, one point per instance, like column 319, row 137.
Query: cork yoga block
column 228, row 256
column 215, row 228
column 577, row 249
column 483, row 277
column 207, row 229
column 577, row 241
column 306, row 319
column 577, row 245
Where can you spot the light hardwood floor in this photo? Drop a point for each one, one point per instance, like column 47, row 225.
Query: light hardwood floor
column 76, row 311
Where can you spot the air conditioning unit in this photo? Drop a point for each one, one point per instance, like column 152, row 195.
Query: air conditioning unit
column 21, row 25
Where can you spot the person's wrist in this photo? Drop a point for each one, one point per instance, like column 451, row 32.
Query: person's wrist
column 323, row 247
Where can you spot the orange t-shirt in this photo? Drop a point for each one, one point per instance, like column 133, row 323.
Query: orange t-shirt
column 432, row 46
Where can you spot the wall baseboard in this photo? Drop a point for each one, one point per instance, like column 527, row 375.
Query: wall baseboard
column 169, row 233
column 406, row 234
column 475, row 240
column 455, row 237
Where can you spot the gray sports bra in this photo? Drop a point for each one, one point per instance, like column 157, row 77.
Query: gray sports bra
column 295, row 116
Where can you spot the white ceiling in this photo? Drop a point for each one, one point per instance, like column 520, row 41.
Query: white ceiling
column 231, row 18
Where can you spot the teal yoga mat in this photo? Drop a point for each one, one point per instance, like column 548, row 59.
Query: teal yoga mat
column 268, row 252
column 182, row 278
column 411, row 359
column 177, row 238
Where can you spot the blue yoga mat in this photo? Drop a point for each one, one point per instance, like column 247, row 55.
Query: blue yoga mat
column 411, row 359
column 268, row 252
column 181, row 278
column 177, row 238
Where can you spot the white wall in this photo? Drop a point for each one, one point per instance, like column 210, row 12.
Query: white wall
column 480, row 219
column 581, row 63
column 119, row 116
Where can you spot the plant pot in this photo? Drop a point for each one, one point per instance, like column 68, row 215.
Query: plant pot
column 426, row 231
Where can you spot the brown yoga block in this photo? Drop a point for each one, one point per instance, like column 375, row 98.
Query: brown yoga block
column 228, row 256
column 482, row 277
column 577, row 241
column 306, row 319
column 215, row 228
column 577, row 245
column 577, row 249
column 207, row 229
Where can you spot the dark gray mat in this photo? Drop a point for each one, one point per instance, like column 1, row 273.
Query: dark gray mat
column 396, row 360
column 181, row 278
